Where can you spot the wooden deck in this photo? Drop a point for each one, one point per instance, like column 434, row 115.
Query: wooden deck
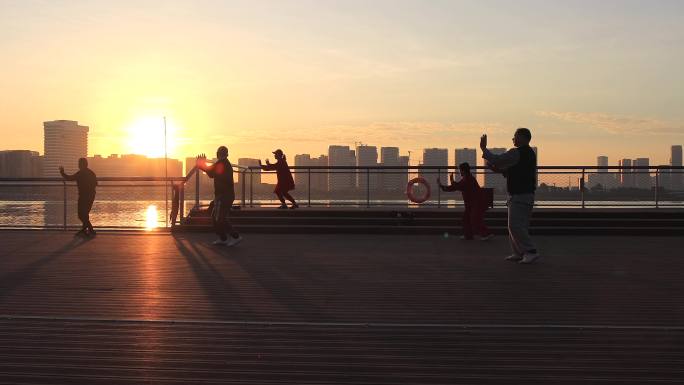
column 131, row 308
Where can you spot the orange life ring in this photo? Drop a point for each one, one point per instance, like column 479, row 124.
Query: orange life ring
column 409, row 190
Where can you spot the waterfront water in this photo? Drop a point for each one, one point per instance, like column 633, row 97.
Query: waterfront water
column 152, row 213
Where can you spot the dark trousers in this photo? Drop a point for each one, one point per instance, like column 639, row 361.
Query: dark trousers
column 219, row 218
column 473, row 222
column 85, row 203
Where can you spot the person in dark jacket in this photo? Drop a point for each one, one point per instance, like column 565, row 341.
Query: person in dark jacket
column 224, row 195
column 519, row 166
column 285, row 181
column 86, row 181
column 473, row 200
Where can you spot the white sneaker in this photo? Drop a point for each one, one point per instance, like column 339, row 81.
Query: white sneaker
column 529, row 258
column 234, row 241
column 514, row 257
column 487, row 237
column 219, row 242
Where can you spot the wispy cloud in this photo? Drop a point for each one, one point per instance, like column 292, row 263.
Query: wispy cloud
column 617, row 124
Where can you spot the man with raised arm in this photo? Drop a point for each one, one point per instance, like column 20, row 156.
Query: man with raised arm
column 519, row 166
column 86, row 181
column 224, row 195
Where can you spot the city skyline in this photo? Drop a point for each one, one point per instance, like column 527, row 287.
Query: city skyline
column 587, row 78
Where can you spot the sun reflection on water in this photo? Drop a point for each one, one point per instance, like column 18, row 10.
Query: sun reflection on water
column 151, row 217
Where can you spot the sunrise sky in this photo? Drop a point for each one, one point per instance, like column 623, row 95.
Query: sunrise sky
column 588, row 77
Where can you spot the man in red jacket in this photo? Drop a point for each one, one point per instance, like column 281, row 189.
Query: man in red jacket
column 473, row 199
column 285, row 180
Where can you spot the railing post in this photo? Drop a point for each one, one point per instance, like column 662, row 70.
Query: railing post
column 581, row 186
column 367, row 187
column 657, row 186
column 181, row 204
column 309, row 186
column 197, row 189
column 251, row 188
column 244, row 184
column 439, row 190
column 65, row 205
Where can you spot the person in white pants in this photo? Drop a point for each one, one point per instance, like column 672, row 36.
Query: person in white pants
column 519, row 167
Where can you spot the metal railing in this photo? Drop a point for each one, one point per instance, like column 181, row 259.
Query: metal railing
column 571, row 186
column 367, row 186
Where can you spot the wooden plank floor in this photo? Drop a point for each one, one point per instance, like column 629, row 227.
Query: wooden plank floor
column 157, row 308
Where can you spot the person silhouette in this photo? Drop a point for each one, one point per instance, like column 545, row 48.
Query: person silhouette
column 519, row 166
column 285, row 180
column 86, row 181
column 224, row 195
column 473, row 200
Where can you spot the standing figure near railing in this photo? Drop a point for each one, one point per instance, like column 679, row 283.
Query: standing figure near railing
column 473, row 200
column 86, row 181
column 519, row 166
column 285, row 180
column 224, row 195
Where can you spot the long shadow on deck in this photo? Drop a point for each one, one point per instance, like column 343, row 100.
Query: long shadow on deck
column 224, row 297
column 14, row 279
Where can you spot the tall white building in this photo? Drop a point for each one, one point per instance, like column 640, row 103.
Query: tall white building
column 341, row 179
column 318, row 177
column 435, row 157
column 604, row 178
column 492, row 179
column 64, row 142
column 391, row 179
column 626, row 175
column 642, row 178
column 466, row 155
column 367, row 156
column 254, row 179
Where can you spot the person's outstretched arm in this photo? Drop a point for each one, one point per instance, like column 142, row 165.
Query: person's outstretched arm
column 201, row 163
column 268, row 166
column 453, row 186
column 66, row 176
column 499, row 162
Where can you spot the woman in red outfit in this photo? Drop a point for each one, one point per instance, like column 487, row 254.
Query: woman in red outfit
column 475, row 207
column 285, row 180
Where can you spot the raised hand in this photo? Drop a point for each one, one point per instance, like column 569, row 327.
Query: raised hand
column 201, row 159
column 483, row 142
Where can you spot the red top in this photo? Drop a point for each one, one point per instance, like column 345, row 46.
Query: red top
column 285, row 180
column 472, row 193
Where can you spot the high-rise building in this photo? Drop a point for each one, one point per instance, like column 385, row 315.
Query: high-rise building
column 251, row 165
column 403, row 174
column 676, row 176
column 435, row 157
column 602, row 178
column 341, row 179
column 467, row 155
column 318, row 177
column 65, row 141
column 602, row 161
column 492, row 179
column 367, row 156
column 626, row 175
column 391, row 179
column 301, row 177
column 642, row 178
column 20, row 164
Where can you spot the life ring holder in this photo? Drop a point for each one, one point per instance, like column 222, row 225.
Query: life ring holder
column 411, row 195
